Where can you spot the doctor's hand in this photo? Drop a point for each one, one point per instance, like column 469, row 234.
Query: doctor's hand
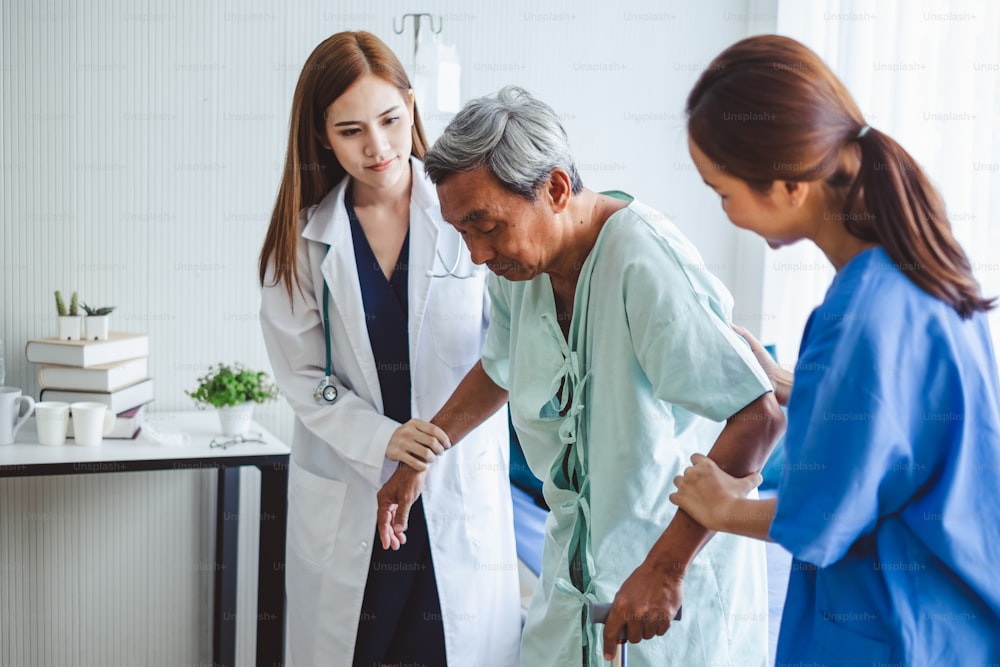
column 395, row 498
column 780, row 379
column 643, row 607
column 709, row 494
column 417, row 443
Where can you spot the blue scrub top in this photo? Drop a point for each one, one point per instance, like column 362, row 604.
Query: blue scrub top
column 386, row 307
column 890, row 497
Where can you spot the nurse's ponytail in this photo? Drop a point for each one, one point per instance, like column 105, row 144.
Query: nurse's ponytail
column 908, row 219
column 768, row 108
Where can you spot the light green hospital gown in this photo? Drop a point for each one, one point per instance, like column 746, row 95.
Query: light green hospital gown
column 651, row 372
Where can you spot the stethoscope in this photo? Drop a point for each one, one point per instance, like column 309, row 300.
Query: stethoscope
column 326, row 391
column 451, row 273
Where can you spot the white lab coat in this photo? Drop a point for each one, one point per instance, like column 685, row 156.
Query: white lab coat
column 338, row 454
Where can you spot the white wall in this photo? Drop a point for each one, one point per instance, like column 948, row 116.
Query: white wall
column 142, row 147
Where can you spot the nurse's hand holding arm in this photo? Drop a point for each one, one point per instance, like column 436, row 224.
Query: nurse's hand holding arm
column 650, row 597
column 719, row 501
column 475, row 399
column 416, row 444
column 780, row 379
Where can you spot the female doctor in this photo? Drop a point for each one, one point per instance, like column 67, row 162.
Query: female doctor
column 372, row 312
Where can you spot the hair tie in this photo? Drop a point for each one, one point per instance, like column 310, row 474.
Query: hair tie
column 863, row 131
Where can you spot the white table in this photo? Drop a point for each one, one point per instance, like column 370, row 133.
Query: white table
column 27, row 458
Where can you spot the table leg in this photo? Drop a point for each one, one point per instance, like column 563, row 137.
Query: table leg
column 226, row 547
column 271, row 572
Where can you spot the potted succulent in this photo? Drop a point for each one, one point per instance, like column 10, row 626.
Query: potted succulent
column 96, row 323
column 233, row 389
column 69, row 319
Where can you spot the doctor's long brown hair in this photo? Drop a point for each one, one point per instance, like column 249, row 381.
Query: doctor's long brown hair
column 311, row 170
column 768, row 108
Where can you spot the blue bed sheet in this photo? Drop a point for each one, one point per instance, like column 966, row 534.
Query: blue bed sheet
column 529, row 507
column 529, row 528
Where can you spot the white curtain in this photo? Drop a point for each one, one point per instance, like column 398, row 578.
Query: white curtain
column 928, row 74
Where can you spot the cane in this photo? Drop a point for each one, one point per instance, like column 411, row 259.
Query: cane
column 599, row 614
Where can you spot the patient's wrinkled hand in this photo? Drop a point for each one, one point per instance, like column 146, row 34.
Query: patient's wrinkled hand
column 643, row 607
column 708, row 494
column 395, row 498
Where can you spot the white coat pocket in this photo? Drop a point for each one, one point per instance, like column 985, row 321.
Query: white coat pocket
column 455, row 319
column 314, row 507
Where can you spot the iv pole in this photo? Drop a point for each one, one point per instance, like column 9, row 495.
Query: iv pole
column 417, row 19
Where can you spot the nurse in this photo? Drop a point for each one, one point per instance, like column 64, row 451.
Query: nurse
column 366, row 290
column 889, row 500
column 615, row 345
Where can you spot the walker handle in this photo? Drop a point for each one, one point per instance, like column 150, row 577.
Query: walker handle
column 599, row 614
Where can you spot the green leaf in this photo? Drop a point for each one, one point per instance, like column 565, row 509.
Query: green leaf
column 232, row 384
column 91, row 311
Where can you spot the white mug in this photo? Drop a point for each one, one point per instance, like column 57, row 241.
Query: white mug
column 51, row 418
column 91, row 422
column 13, row 412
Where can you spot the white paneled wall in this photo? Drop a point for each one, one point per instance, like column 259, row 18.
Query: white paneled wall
column 106, row 569
column 142, row 147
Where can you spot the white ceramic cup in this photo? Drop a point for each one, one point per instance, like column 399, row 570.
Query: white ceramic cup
column 14, row 411
column 91, row 422
column 51, row 418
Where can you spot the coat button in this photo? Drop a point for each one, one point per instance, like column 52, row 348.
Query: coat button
column 364, row 545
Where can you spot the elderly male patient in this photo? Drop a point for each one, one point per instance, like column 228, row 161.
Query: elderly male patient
column 616, row 348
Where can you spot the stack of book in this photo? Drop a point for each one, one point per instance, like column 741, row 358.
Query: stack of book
column 112, row 371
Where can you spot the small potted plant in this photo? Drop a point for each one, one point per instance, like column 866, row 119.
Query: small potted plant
column 69, row 319
column 233, row 389
column 95, row 325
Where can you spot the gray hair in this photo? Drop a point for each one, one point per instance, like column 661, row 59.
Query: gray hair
column 518, row 138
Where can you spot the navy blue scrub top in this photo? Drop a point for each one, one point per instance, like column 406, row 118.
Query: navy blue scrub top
column 386, row 306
